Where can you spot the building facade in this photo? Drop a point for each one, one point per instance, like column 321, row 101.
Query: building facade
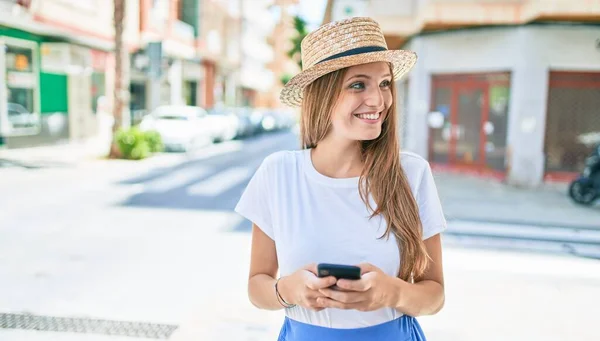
column 60, row 73
column 55, row 71
column 506, row 88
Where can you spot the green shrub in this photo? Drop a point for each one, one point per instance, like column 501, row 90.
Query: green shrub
column 154, row 141
column 140, row 151
column 135, row 144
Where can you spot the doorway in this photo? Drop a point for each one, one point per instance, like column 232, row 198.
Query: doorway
column 468, row 121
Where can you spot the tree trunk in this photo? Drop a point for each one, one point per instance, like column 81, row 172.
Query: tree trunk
column 328, row 12
column 118, row 98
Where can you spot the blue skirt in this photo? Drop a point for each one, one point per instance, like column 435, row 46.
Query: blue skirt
column 405, row 328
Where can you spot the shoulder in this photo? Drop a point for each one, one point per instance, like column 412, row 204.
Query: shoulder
column 417, row 171
column 282, row 160
column 413, row 164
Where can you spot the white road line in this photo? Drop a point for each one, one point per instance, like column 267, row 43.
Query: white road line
column 221, row 182
column 523, row 231
column 176, row 179
column 215, row 150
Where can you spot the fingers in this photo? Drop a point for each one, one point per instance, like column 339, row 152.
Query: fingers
column 314, row 304
column 354, row 285
column 344, row 296
column 367, row 267
column 329, row 303
column 317, row 283
column 311, row 267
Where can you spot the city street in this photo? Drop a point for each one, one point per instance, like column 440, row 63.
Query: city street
column 127, row 250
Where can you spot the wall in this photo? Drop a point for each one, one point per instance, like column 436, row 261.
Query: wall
column 529, row 53
column 91, row 18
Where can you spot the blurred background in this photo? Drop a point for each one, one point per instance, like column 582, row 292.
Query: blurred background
column 129, row 129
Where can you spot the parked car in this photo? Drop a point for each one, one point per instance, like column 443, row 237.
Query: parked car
column 224, row 122
column 269, row 120
column 19, row 117
column 182, row 128
column 287, row 118
column 245, row 127
column 277, row 119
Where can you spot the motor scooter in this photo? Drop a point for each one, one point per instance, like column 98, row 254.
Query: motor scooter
column 586, row 188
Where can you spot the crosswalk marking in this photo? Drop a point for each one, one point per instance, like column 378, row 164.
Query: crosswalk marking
column 221, row 182
column 216, row 150
column 176, row 179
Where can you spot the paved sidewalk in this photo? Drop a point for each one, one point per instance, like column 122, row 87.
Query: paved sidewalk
column 487, row 200
column 60, row 154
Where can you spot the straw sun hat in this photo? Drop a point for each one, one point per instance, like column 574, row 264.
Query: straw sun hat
column 341, row 44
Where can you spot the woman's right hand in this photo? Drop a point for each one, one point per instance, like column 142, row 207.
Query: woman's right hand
column 302, row 287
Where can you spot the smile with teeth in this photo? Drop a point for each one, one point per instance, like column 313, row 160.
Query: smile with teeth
column 373, row 117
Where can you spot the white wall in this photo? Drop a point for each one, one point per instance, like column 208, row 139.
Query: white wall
column 392, row 8
column 529, row 53
column 87, row 15
column 343, row 9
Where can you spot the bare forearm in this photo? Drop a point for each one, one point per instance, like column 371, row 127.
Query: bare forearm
column 261, row 291
column 422, row 298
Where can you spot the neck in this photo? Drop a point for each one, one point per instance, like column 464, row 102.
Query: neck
column 338, row 159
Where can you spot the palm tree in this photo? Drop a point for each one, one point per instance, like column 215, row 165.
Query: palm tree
column 119, row 87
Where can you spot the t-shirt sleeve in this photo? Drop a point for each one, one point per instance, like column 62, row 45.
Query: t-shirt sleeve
column 254, row 202
column 430, row 207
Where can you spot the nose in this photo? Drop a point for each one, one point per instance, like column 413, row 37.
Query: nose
column 375, row 98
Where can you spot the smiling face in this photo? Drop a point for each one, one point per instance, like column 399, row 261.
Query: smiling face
column 363, row 103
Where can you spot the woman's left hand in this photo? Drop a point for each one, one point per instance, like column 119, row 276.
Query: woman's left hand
column 373, row 291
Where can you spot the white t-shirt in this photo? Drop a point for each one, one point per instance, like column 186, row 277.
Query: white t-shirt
column 317, row 219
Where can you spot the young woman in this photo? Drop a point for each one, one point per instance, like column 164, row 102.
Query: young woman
column 349, row 197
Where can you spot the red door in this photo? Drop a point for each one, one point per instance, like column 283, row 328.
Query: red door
column 472, row 134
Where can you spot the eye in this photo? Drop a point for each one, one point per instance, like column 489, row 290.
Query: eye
column 385, row 84
column 357, row 86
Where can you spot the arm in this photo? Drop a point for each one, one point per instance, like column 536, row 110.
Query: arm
column 263, row 269
column 301, row 287
column 425, row 296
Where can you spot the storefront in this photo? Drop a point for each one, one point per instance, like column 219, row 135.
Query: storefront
column 468, row 121
column 77, row 85
column 508, row 102
column 193, row 75
column 573, row 118
column 51, row 90
column 138, row 85
column 20, row 91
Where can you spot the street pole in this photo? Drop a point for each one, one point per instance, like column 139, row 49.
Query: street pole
column 328, row 12
column 3, row 96
column 239, row 92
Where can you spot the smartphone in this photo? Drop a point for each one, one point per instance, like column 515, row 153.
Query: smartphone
column 338, row 271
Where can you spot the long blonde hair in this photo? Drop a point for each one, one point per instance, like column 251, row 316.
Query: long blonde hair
column 382, row 175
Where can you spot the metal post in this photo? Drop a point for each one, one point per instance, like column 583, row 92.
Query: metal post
column 4, row 124
column 239, row 93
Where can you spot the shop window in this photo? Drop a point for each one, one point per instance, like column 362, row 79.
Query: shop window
column 21, row 87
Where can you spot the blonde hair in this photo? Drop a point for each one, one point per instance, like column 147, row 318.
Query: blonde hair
column 382, row 175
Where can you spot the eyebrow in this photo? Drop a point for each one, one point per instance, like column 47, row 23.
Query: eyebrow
column 367, row 76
